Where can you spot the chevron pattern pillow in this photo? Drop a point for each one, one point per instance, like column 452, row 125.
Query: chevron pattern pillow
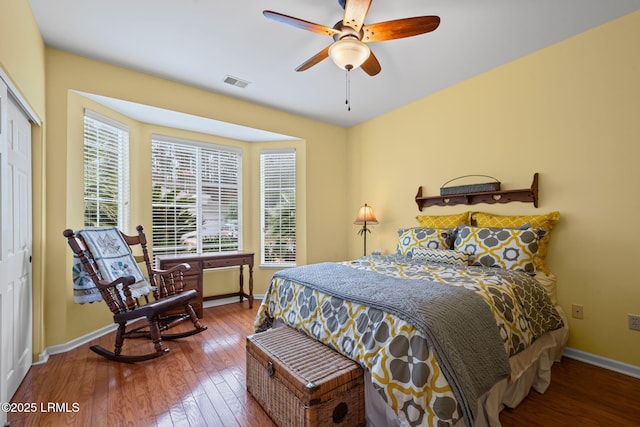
column 442, row 256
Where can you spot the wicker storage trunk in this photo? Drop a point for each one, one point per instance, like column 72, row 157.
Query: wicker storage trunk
column 299, row 381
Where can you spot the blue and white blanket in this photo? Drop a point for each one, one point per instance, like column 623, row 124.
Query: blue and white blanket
column 112, row 258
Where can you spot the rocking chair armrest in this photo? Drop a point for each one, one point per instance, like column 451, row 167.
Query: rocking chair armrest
column 175, row 269
column 170, row 281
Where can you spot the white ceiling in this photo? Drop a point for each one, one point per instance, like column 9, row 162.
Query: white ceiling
column 200, row 42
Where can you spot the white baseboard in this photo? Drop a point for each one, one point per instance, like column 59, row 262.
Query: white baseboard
column 603, row 362
column 70, row 345
column 230, row 300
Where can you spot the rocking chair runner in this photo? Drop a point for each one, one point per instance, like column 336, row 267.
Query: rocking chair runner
column 167, row 289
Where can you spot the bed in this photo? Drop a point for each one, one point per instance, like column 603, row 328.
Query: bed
column 456, row 324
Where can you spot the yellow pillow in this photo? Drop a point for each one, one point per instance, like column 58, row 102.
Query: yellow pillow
column 546, row 222
column 444, row 221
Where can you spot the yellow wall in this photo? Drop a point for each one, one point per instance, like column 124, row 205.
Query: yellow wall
column 22, row 60
column 67, row 73
column 22, row 52
column 570, row 112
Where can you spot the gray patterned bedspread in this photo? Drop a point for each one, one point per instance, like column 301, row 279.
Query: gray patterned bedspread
column 434, row 337
column 459, row 326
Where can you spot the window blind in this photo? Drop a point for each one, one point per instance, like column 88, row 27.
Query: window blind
column 106, row 172
column 278, row 207
column 196, row 197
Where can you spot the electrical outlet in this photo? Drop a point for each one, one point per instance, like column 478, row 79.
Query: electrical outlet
column 577, row 311
column 634, row 321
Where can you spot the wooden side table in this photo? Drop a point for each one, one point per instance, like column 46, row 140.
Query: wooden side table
column 201, row 262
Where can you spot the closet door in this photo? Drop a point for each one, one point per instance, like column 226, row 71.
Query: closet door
column 15, row 245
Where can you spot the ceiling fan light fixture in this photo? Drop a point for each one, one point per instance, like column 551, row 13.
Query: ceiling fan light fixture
column 349, row 53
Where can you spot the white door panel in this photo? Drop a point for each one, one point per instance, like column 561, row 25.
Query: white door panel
column 15, row 246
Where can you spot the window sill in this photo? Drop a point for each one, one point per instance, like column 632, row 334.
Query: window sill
column 277, row 266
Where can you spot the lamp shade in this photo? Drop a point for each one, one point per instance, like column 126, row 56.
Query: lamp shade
column 366, row 215
column 349, row 53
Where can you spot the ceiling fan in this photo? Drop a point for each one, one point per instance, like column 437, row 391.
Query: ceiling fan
column 349, row 50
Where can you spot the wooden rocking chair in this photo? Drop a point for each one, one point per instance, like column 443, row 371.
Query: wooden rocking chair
column 166, row 286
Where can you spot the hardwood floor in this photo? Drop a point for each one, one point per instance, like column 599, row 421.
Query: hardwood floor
column 580, row 395
column 201, row 382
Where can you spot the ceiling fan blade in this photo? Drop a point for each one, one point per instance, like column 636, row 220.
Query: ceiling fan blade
column 400, row 28
column 371, row 66
column 323, row 54
column 354, row 13
column 300, row 23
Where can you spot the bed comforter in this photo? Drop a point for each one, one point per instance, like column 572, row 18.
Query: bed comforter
column 433, row 336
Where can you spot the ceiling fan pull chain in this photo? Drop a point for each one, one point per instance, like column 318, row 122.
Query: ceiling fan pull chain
column 348, row 89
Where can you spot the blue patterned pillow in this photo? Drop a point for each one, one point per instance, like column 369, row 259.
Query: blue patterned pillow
column 410, row 239
column 442, row 256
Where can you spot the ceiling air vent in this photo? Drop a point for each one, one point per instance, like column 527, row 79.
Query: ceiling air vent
column 234, row 81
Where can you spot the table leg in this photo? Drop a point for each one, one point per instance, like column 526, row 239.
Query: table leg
column 241, row 283
column 250, row 285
